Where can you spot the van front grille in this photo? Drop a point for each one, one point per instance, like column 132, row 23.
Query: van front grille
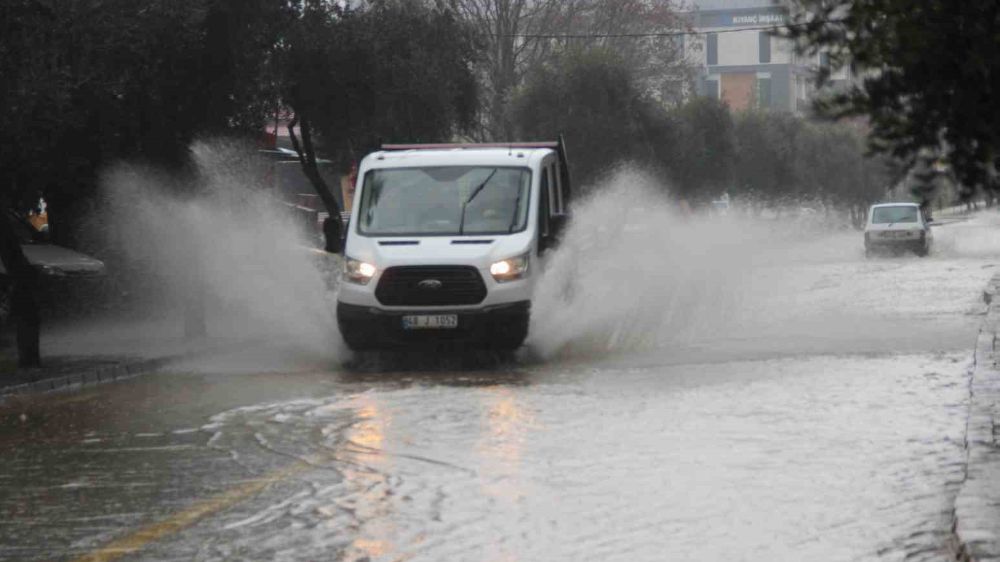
column 430, row 285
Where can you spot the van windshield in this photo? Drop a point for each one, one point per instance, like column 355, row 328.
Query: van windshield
column 887, row 215
column 450, row 200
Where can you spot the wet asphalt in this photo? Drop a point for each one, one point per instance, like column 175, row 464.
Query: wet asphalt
column 828, row 426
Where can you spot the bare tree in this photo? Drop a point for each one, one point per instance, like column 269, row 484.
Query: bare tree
column 523, row 33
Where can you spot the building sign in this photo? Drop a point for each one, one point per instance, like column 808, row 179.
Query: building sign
column 759, row 19
column 740, row 18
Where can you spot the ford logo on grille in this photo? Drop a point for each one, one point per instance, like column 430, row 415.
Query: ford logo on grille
column 430, row 284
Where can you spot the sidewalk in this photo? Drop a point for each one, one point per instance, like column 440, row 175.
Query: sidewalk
column 104, row 352
column 977, row 506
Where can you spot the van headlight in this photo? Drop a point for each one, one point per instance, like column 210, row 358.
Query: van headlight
column 357, row 271
column 510, row 269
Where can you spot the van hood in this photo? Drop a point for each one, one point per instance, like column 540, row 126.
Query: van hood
column 438, row 250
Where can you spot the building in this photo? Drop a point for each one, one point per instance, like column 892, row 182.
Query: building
column 740, row 62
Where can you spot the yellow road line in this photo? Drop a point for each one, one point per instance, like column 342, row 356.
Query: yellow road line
column 179, row 521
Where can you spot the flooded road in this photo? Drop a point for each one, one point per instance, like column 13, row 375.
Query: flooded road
column 812, row 409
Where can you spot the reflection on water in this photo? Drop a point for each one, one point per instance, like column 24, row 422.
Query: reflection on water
column 502, row 437
column 369, row 492
column 393, row 505
column 850, row 458
column 506, row 424
column 369, row 366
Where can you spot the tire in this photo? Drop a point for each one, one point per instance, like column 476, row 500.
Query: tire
column 355, row 343
column 358, row 337
column 509, row 336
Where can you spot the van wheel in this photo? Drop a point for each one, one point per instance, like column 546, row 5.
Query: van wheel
column 509, row 342
column 510, row 337
column 357, row 339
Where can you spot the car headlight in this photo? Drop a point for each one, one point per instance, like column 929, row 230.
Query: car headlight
column 357, row 271
column 510, row 269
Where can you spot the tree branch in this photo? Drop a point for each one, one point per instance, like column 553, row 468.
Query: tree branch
column 307, row 158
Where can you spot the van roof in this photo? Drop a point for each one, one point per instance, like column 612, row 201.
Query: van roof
column 459, row 156
column 895, row 205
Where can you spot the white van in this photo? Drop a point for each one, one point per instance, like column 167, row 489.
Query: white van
column 897, row 227
column 445, row 243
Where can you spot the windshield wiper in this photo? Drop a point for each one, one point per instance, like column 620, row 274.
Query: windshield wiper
column 513, row 219
column 475, row 192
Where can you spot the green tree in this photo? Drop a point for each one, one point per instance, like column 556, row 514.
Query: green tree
column 88, row 82
column 392, row 70
column 928, row 70
column 702, row 165
column 594, row 100
column 836, row 170
column 784, row 160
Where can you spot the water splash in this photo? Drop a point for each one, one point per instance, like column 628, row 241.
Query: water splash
column 226, row 237
column 635, row 273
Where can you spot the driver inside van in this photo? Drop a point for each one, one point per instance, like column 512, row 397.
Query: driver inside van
column 441, row 211
column 494, row 210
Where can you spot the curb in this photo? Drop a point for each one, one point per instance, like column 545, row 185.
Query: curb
column 95, row 375
column 115, row 372
column 977, row 505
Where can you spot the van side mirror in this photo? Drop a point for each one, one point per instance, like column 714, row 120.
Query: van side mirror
column 332, row 242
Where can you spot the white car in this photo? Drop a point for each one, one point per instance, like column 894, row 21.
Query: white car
column 897, row 227
column 447, row 242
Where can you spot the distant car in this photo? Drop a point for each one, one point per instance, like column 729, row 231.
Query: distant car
column 897, row 227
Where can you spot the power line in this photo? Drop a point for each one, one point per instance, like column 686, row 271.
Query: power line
column 656, row 34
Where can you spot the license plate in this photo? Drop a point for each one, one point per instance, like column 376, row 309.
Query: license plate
column 431, row 322
column 899, row 234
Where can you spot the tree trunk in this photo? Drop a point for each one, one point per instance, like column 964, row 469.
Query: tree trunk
column 307, row 158
column 24, row 304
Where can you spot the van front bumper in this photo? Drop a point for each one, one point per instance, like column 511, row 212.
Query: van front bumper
column 500, row 327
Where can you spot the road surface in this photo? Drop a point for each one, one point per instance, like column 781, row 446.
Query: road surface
column 798, row 403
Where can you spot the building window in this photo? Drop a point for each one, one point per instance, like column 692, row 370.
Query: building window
column 763, row 93
column 713, row 48
column 712, row 89
column 765, row 47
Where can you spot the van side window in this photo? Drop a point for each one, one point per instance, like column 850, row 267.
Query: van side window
column 558, row 207
column 543, row 204
column 550, row 171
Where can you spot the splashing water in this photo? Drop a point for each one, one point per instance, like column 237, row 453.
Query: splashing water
column 632, row 274
column 229, row 240
column 635, row 274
